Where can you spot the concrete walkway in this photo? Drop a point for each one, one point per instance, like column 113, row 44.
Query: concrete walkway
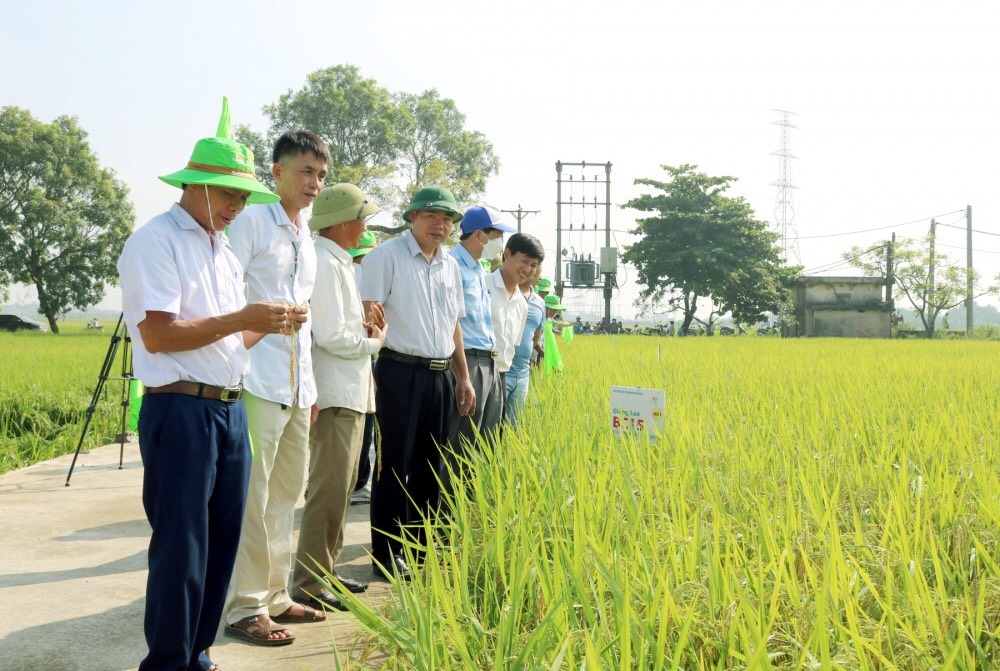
column 73, row 575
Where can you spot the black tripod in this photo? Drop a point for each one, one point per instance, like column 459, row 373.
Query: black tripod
column 118, row 337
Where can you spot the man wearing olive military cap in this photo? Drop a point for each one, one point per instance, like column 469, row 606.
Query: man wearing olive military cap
column 344, row 340
column 419, row 285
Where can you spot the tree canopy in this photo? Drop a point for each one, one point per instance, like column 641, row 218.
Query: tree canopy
column 63, row 218
column 930, row 295
column 389, row 144
column 699, row 243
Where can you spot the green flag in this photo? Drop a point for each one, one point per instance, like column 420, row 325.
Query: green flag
column 568, row 333
column 135, row 393
column 553, row 362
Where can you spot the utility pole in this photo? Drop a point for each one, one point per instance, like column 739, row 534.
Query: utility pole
column 968, row 272
column 520, row 214
column 928, row 301
column 890, row 247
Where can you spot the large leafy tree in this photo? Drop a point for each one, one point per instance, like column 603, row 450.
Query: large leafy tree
column 930, row 295
column 698, row 243
column 388, row 144
column 63, row 218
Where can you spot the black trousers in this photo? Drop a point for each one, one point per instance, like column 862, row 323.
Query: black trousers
column 365, row 463
column 413, row 406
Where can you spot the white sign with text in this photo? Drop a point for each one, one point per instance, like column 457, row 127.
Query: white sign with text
column 637, row 410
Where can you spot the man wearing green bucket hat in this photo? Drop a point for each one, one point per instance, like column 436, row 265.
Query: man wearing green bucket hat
column 543, row 287
column 191, row 327
column 420, row 287
column 273, row 244
column 344, row 342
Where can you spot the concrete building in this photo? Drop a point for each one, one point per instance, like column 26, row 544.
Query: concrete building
column 844, row 307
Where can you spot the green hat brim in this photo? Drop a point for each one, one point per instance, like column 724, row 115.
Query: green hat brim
column 359, row 251
column 258, row 193
column 320, row 221
column 434, row 207
column 557, row 308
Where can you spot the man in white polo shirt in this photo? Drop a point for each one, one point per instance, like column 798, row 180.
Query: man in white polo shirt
column 344, row 342
column 420, row 287
column 182, row 299
column 273, row 245
column 522, row 257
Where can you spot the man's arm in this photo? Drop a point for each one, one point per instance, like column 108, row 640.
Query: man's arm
column 465, row 394
column 162, row 332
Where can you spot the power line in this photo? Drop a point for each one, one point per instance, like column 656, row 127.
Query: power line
column 963, row 228
column 880, row 228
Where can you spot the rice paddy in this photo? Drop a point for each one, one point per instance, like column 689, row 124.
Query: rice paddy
column 821, row 504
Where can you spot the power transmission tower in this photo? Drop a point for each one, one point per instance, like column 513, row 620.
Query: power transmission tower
column 520, row 214
column 784, row 210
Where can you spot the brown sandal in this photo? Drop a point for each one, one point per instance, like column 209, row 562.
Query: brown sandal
column 309, row 614
column 257, row 629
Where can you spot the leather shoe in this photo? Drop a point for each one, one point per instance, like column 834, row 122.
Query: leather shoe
column 325, row 601
column 353, row 586
column 394, row 568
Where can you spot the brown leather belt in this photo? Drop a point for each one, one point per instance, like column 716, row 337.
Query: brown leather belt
column 481, row 353
column 224, row 394
column 422, row 362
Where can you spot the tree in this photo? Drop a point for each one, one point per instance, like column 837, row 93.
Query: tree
column 912, row 279
column 388, row 144
column 63, row 218
column 700, row 243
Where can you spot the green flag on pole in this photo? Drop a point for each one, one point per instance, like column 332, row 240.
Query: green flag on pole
column 553, row 361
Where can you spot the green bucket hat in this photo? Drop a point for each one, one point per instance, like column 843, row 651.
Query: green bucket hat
column 365, row 245
column 221, row 161
column 544, row 285
column 435, row 199
column 339, row 204
column 552, row 301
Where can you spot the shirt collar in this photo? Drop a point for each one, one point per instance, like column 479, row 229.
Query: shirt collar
column 336, row 250
column 414, row 248
column 281, row 219
column 464, row 258
column 182, row 218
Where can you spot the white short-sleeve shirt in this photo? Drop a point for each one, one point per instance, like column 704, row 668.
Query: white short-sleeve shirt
column 509, row 313
column 170, row 265
column 422, row 300
column 279, row 265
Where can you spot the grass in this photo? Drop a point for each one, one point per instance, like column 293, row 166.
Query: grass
column 46, row 385
column 821, row 504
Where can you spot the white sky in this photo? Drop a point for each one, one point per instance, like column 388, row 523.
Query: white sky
column 896, row 102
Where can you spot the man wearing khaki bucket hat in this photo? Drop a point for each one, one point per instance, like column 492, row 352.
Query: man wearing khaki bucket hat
column 182, row 299
column 344, row 342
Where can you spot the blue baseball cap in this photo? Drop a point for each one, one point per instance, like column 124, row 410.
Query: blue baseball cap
column 484, row 216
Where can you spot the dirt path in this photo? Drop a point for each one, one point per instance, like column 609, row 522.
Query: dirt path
column 73, row 574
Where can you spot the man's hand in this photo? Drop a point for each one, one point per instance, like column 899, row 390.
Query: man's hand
column 314, row 413
column 266, row 317
column 376, row 315
column 374, row 331
column 465, row 397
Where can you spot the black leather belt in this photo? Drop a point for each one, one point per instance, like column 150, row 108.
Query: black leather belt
column 422, row 362
column 481, row 353
column 224, row 394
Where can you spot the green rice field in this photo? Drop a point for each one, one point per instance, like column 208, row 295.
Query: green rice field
column 811, row 504
column 47, row 382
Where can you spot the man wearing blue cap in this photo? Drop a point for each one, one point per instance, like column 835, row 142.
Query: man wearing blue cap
column 482, row 238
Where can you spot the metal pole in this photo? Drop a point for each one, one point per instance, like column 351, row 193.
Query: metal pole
column 928, row 302
column 558, row 228
column 609, row 281
column 968, row 272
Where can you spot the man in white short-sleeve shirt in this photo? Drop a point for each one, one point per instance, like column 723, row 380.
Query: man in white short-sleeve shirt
column 419, row 286
column 273, row 244
column 182, row 300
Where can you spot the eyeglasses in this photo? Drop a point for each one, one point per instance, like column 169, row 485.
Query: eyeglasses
column 361, row 209
column 295, row 265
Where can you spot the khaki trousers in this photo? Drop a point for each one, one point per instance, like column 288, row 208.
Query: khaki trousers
column 279, row 435
column 334, row 454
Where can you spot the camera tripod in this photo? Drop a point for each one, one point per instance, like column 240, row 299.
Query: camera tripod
column 119, row 337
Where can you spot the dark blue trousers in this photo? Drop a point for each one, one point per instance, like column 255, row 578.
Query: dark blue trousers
column 196, row 460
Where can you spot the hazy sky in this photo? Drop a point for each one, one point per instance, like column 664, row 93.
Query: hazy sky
column 896, row 102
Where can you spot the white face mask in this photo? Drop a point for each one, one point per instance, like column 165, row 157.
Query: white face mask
column 493, row 248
